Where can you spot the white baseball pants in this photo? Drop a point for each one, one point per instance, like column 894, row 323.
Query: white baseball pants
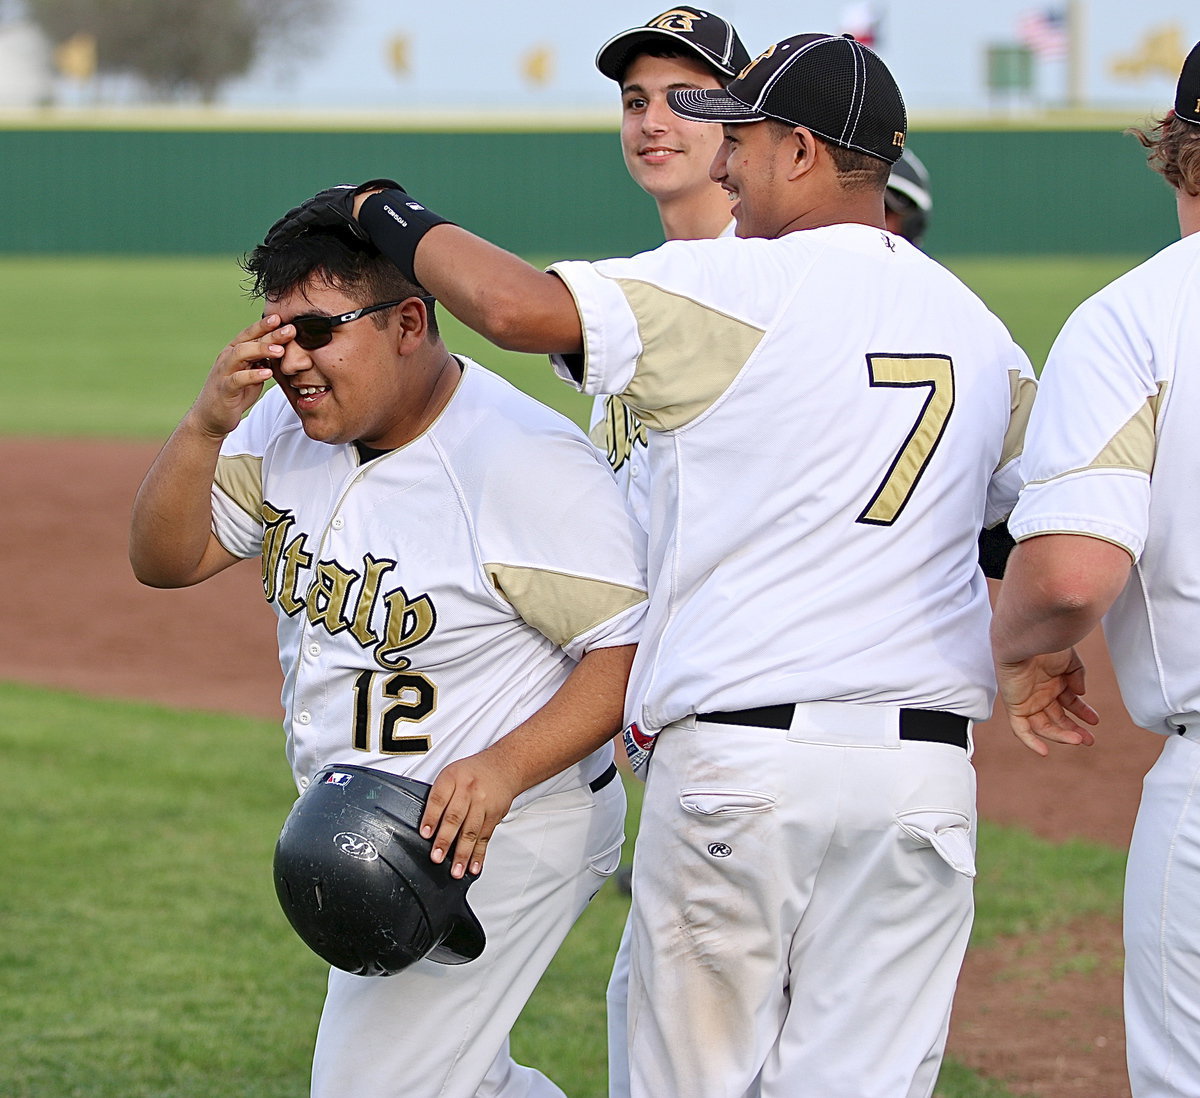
column 800, row 911
column 1162, row 948
column 441, row 1031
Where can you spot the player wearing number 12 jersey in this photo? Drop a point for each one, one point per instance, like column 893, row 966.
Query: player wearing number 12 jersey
column 458, row 591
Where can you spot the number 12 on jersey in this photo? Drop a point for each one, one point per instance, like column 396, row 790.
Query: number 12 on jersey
column 407, row 697
column 935, row 372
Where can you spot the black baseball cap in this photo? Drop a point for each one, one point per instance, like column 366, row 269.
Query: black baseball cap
column 1187, row 94
column 830, row 84
column 710, row 37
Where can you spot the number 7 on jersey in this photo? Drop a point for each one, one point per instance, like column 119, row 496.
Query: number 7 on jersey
column 936, row 372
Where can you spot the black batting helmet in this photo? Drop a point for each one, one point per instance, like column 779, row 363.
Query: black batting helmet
column 354, row 878
column 908, row 196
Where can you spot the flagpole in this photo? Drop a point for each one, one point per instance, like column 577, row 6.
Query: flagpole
column 1076, row 60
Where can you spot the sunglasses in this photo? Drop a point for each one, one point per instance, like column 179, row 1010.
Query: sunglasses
column 317, row 331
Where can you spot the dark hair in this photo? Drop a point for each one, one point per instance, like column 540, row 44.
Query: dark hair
column 856, row 171
column 1174, row 146
column 340, row 261
column 668, row 52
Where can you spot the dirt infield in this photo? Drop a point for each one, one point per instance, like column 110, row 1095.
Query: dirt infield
column 1025, row 1014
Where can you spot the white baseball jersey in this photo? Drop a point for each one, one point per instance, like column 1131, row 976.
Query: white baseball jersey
column 431, row 599
column 621, row 437
column 1112, row 454
column 831, row 467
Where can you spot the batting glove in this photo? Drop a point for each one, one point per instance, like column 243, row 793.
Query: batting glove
column 332, row 208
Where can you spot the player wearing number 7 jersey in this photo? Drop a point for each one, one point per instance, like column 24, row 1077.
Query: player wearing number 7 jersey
column 458, row 592
column 833, row 417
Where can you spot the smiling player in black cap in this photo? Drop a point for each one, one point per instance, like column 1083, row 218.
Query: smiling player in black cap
column 668, row 157
column 831, row 422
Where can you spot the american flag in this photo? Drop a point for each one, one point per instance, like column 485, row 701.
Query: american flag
column 1044, row 32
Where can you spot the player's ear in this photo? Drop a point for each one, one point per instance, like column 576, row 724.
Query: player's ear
column 801, row 145
column 413, row 325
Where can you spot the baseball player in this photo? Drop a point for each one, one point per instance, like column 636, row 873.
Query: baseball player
column 1106, row 528
column 907, row 202
column 458, row 591
column 668, row 157
column 831, row 422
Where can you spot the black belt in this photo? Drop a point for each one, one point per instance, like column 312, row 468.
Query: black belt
column 930, row 725
column 596, row 784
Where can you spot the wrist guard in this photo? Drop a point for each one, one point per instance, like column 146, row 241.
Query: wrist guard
column 396, row 222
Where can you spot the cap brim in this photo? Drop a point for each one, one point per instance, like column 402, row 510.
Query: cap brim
column 711, row 105
column 612, row 56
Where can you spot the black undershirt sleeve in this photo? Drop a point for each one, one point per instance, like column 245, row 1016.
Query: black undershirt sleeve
column 995, row 544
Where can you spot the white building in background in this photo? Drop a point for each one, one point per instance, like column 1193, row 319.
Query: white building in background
column 26, row 69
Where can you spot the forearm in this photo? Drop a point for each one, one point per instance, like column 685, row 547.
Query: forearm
column 1056, row 589
column 170, row 538
column 171, row 543
column 583, row 715
column 496, row 293
column 1031, row 628
column 472, row 795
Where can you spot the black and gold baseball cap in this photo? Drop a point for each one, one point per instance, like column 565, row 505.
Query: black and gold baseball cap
column 830, row 84
column 1187, row 94
column 710, row 37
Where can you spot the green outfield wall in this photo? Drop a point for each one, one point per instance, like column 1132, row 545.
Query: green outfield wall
column 214, row 191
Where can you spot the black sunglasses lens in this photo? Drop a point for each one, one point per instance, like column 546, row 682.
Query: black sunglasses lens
column 312, row 331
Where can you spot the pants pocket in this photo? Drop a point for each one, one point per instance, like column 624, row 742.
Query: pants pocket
column 605, row 863
column 947, row 831
column 724, row 802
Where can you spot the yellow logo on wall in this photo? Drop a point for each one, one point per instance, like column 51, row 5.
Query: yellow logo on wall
column 537, row 66
column 1160, row 53
column 400, row 55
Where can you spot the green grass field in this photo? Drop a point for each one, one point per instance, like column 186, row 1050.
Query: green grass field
column 143, row 953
